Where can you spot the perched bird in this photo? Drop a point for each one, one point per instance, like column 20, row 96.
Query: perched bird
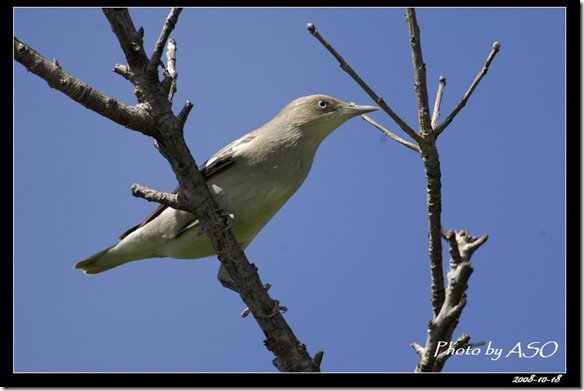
column 251, row 179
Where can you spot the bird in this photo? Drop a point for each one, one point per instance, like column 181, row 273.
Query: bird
column 250, row 179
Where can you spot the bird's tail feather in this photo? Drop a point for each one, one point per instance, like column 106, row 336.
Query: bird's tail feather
column 98, row 263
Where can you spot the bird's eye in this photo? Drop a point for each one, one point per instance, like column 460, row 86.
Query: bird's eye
column 322, row 104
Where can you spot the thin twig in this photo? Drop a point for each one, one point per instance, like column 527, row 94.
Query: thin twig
column 441, row 358
column 318, row 358
column 181, row 118
column 418, row 348
column 152, row 195
column 450, row 237
column 170, row 71
column 468, row 244
column 347, row 68
column 420, row 86
column 436, row 113
column 169, row 25
column 123, row 71
column 475, row 83
column 400, row 140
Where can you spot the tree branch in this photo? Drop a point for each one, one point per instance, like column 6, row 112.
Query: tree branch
column 170, row 73
column 420, row 86
column 181, row 118
column 151, row 195
column 169, row 25
column 347, row 68
column 442, row 326
column 131, row 41
column 441, row 358
column 123, row 71
column 392, row 136
column 475, row 83
column 431, row 163
column 439, row 93
column 131, row 117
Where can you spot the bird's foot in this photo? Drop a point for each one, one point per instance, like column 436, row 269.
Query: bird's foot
column 227, row 218
column 277, row 307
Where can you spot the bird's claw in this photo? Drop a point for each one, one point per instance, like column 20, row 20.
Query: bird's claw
column 277, row 307
column 227, row 217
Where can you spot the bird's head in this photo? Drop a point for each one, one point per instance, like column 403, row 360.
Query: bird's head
column 319, row 115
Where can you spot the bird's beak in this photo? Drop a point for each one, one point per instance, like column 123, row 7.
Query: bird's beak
column 354, row 109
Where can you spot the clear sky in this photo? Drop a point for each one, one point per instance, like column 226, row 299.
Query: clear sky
column 348, row 254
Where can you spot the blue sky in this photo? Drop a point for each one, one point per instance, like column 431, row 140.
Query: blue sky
column 348, row 254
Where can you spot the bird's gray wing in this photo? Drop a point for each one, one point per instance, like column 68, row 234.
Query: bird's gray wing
column 225, row 156
column 212, row 166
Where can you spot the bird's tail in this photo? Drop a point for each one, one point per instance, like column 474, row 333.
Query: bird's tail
column 99, row 262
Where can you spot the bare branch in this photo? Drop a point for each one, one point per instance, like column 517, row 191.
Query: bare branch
column 347, row 68
column 459, row 343
column 468, row 244
column 169, row 24
column 131, row 41
column 131, row 117
column 318, row 358
column 442, row 326
column 123, row 71
column 181, row 118
column 400, row 140
column 170, row 71
column 475, row 83
column 151, row 195
column 418, row 348
column 450, row 237
column 420, row 86
column 429, row 154
column 436, row 113
column 147, row 85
